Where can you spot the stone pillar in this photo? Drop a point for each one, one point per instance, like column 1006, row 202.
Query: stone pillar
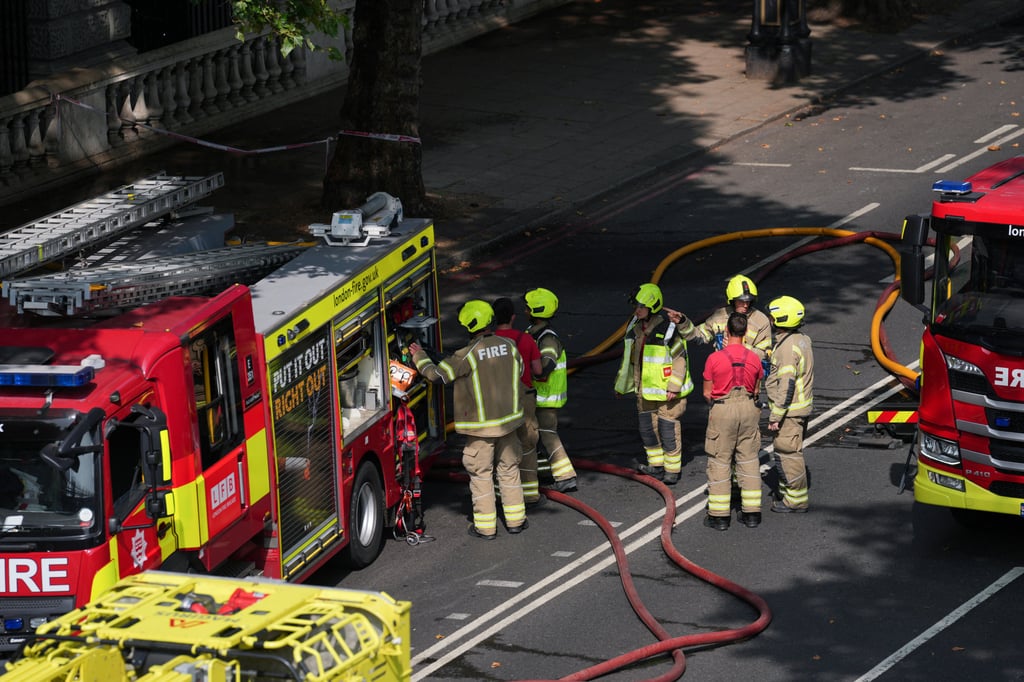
column 66, row 34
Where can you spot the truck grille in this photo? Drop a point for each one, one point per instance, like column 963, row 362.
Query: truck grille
column 1004, row 420
column 970, row 383
column 1007, row 489
column 1006, row 451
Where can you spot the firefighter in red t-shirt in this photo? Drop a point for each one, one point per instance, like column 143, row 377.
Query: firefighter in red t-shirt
column 528, row 433
column 732, row 378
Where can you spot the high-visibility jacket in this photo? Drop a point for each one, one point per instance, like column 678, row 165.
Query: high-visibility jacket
column 488, row 391
column 714, row 330
column 553, row 391
column 654, row 361
column 790, row 384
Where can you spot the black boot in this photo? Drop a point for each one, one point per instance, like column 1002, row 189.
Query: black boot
column 717, row 522
column 656, row 472
column 750, row 519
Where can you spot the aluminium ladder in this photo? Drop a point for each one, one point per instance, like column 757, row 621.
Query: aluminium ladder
column 119, row 286
column 97, row 220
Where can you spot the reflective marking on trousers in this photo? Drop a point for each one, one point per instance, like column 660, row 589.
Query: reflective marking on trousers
column 751, row 500
column 531, row 490
column 655, row 457
column 795, row 497
column 485, row 523
column 562, row 468
column 515, row 514
column 674, row 461
column 718, row 505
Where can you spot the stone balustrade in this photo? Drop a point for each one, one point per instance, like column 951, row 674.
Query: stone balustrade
column 84, row 120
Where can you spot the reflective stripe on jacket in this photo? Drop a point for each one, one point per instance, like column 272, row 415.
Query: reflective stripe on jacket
column 486, row 377
column 713, row 330
column 790, row 384
column 554, row 391
column 658, row 357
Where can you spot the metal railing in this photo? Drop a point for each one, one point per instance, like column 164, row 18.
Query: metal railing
column 83, row 121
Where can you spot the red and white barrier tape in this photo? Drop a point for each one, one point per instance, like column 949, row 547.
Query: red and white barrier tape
column 237, row 150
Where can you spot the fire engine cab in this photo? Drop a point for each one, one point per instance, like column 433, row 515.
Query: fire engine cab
column 228, row 410
column 970, row 444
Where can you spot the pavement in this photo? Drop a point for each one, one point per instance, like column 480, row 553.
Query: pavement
column 533, row 120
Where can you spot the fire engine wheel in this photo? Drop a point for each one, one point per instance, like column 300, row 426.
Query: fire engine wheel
column 366, row 518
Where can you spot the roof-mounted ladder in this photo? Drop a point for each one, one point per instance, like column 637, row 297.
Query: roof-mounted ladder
column 92, row 222
column 127, row 285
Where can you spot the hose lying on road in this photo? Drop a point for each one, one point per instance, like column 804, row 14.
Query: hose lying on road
column 666, row 643
column 606, row 350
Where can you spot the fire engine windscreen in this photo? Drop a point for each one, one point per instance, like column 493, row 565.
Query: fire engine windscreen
column 46, row 498
column 979, row 286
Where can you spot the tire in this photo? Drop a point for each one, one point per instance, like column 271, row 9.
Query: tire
column 366, row 518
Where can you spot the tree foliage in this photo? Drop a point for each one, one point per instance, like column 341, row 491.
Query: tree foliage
column 383, row 92
column 293, row 21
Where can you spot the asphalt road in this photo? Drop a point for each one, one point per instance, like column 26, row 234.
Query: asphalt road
column 868, row 584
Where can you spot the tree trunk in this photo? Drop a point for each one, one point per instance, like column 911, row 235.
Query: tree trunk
column 383, row 96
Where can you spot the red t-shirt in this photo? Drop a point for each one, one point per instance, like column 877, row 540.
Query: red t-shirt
column 527, row 347
column 734, row 365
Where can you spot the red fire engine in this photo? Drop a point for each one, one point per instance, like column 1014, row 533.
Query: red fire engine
column 970, row 442
column 206, row 426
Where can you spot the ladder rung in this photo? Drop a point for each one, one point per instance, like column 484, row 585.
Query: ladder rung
column 99, row 219
column 122, row 285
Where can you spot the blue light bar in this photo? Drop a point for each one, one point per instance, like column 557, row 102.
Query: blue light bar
column 952, row 187
column 13, row 624
column 60, row 376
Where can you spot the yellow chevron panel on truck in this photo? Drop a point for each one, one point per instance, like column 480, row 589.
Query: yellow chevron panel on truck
column 892, row 416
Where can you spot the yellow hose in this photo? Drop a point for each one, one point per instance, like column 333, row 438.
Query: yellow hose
column 876, row 322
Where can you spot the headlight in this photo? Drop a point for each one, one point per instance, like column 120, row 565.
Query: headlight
column 957, row 365
column 940, row 449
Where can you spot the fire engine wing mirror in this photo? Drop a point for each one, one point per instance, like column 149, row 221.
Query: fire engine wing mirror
column 51, row 456
column 915, row 236
column 159, row 504
column 64, row 456
column 155, row 445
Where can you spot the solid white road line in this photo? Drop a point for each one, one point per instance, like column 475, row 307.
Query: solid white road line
column 954, row 616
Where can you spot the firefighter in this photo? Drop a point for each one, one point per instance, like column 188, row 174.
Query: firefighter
column 654, row 366
column 790, row 386
column 740, row 295
column 488, row 406
column 504, row 316
column 552, row 385
column 731, row 380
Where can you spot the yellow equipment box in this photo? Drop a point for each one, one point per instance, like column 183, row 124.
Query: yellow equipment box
column 169, row 627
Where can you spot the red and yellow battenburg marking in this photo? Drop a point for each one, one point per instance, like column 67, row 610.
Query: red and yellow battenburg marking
column 892, row 417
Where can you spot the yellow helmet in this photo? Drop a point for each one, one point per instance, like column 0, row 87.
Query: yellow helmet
column 786, row 312
column 648, row 295
column 740, row 287
column 475, row 315
column 541, row 302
